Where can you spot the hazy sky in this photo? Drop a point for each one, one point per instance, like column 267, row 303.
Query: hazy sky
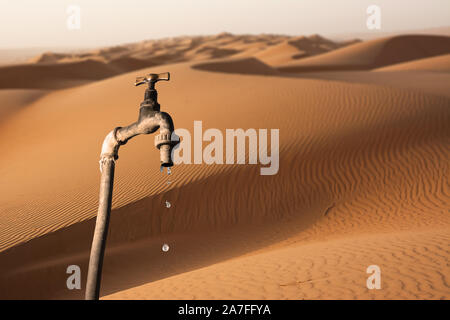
column 43, row 23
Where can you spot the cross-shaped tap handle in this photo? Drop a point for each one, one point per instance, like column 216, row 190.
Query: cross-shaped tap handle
column 152, row 78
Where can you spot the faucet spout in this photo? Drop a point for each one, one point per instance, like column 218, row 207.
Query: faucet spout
column 164, row 141
column 148, row 122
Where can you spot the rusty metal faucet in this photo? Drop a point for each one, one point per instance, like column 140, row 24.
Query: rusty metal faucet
column 150, row 119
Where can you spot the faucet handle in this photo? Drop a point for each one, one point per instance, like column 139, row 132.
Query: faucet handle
column 152, row 78
column 139, row 81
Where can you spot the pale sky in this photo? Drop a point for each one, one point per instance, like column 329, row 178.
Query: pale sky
column 43, row 23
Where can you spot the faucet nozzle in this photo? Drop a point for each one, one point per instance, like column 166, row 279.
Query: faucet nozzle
column 165, row 155
column 165, row 145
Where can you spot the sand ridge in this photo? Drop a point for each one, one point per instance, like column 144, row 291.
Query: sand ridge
column 373, row 54
column 439, row 63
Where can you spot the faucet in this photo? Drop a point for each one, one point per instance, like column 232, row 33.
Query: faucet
column 150, row 119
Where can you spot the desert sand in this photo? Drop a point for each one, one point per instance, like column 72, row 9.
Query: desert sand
column 363, row 178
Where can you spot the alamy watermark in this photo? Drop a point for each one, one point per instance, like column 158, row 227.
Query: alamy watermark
column 73, row 21
column 74, row 280
column 373, row 21
column 213, row 152
column 374, row 280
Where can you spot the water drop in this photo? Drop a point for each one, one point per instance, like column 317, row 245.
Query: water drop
column 168, row 170
column 161, row 169
column 165, row 247
column 169, row 182
column 168, row 204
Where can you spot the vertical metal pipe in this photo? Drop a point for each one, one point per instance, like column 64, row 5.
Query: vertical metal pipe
column 150, row 119
column 101, row 230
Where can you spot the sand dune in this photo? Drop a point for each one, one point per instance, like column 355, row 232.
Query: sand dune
column 13, row 100
column 51, row 70
column 438, row 31
column 239, row 66
column 53, row 76
column 373, row 54
column 66, row 74
column 363, row 179
column 280, row 53
column 350, row 164
column 308, row 271
column 298, row 48
column 429, row 82
column 439, row 63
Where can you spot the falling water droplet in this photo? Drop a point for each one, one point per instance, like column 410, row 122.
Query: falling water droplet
column 168, row 204
column 165, row 247
column 169, row 182
column 168, row 170
column 161, row 169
